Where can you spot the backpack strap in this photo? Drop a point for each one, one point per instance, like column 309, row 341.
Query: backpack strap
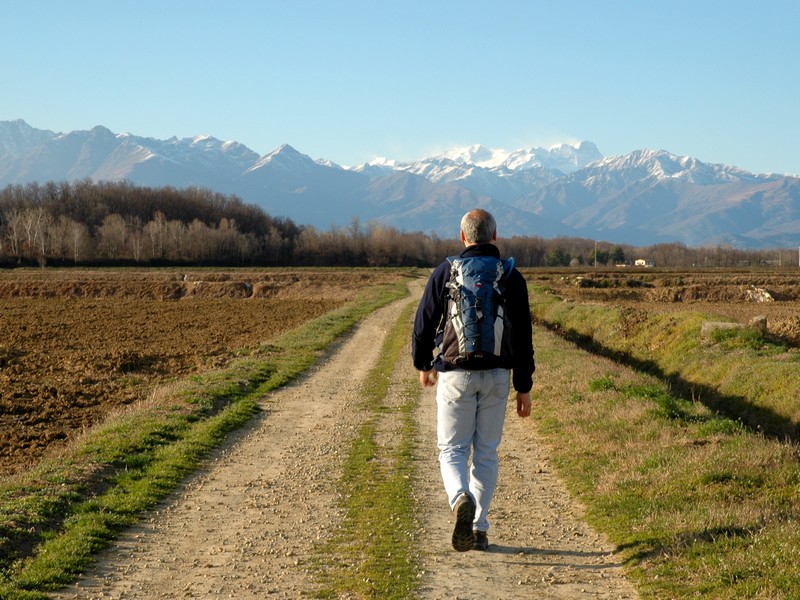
column 508, row 266
column 508, row 263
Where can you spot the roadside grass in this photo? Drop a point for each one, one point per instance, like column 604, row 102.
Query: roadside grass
column 56, row 517
column 742, row 373
column 699, row 504
column 372, row 553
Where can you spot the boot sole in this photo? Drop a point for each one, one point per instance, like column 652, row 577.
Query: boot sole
column 463, row 538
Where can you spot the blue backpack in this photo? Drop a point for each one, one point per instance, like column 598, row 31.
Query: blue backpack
column 476, row 325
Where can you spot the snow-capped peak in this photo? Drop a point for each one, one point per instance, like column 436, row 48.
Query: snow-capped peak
column 477, row 155
column 661, row 164
column 382, row 161
column 562, row 157
column 285, row 157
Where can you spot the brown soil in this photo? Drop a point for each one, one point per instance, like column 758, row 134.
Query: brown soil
column 75, row 345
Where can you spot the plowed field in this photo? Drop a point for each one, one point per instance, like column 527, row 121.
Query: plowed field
column 75, row 345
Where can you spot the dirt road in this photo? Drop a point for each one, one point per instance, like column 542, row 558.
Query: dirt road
column 248, row 525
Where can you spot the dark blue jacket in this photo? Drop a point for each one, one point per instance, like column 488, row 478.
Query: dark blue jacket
column 428, row 322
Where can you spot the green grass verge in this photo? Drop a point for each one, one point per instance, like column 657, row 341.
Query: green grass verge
column 698, row 504
column 742, row 373
column 53, row 519
column 372, row 554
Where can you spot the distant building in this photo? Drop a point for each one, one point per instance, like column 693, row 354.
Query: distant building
column 641, row 262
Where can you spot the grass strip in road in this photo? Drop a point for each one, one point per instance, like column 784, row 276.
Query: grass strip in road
column 698, row 504
column 55, row 518
column 372, row 554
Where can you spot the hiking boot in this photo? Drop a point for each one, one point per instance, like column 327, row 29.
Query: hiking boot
column 481, row 541
column 464, row 509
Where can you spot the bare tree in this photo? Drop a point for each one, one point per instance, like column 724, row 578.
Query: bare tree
column 155, row 231
column 113, row 233
column 59, row 243
column 69, row 239
column 79, row 240
column 199, row 241
column 175, row 239
column 136, row 236
column 30, row 228
column 44, row 223
column 14, row 230
column 383, row 245
column 308, row 245
column 229, row 244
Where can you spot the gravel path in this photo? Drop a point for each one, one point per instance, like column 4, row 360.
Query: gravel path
column 248, row 525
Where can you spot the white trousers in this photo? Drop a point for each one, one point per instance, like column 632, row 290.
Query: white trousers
column 471, row 410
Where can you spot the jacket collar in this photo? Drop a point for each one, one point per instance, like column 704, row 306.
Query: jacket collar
column 480, row 250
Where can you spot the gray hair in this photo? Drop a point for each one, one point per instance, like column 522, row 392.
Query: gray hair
column 479, row 226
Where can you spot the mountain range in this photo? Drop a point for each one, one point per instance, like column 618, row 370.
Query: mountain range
column 641, row 198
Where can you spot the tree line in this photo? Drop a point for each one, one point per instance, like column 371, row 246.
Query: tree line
column 88, row 223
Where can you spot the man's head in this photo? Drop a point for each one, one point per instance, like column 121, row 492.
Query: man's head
column 478, row 227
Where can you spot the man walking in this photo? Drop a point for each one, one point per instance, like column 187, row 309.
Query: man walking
column 473, row 383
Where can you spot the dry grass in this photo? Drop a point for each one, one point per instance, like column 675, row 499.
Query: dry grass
column 699, row 504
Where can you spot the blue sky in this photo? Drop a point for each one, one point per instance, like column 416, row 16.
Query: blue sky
column 352, row 80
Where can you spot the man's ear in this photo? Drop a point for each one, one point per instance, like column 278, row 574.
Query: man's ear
column 463, row 237
column 494, row 236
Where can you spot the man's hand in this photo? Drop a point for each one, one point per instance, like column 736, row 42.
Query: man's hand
column 523, row 404
column 428, row 378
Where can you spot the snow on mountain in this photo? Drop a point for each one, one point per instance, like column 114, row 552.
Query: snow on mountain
column 382, row 161
column 651, row 196
column 327, row 163
column 374, row 170
column 475, row 155
column 285, row 158
column 563, row 157
column 639, row 198
column 503, row 175
column 569, row 158
column 661, row 164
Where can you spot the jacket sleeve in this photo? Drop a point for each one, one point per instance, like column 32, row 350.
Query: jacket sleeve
column 427, row 319
column 523, row 365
